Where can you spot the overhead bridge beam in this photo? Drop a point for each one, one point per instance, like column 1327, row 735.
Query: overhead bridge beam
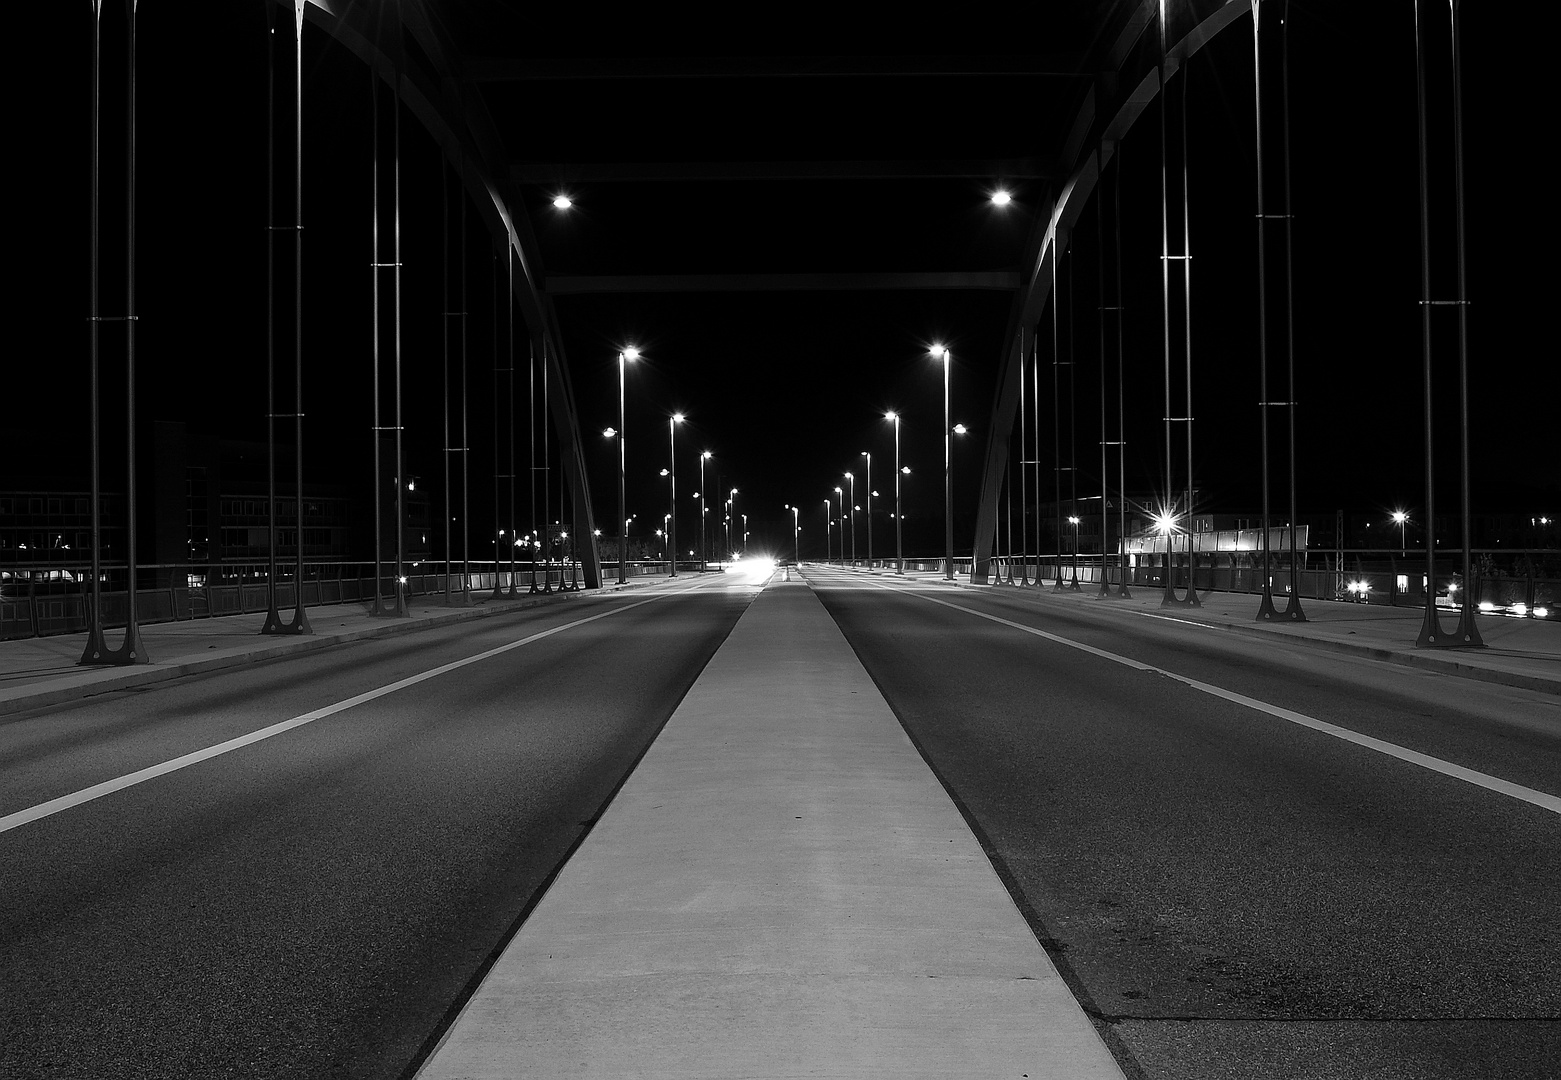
column 1001, row 280
column 506, row 69
column 560, row 172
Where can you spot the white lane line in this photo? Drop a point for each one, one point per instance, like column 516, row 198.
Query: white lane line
column 1541, row 799
column 108, row 787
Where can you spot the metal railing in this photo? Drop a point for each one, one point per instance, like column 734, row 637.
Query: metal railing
column 43, row 599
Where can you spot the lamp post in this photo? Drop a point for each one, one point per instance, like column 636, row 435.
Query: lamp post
column 899, row 552
column 1400, row 518
column 1074, row 521
column 731, row 519
column 704, row 560
column 796, row 535
column 628, row 355
column 851, row 515
column 840, row 516
column 947, row 356
column 672, row 449
column 827, row 528
column 868, row 454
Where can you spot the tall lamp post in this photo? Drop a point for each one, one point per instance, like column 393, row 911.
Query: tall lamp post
column 840, row 516
column 672, row 470
column 1400, row 518
column 868, row 454
column 827, row 527
column 704, row 561
column 851, row 516
column 796, row 534
column 899, row 551
column 731, row 520
column 947, row 356
column 628, row 355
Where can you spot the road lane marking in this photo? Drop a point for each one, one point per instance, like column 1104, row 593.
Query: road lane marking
column 1532, row 796
column 108, row 787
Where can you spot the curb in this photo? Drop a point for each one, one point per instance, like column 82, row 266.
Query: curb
column 48, row 693
column 1438, row 664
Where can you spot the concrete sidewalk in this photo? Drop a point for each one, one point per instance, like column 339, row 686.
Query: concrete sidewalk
column 781, row 888
column 1518, row 652
column 35, row 672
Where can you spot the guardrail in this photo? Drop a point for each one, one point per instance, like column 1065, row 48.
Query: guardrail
column 1525, row 583
column 39, row 600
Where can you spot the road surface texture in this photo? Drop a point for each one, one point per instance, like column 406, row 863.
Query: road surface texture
column 1230, row 892
column 314, row 904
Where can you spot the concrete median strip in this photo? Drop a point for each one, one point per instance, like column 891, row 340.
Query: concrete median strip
column 782, row 888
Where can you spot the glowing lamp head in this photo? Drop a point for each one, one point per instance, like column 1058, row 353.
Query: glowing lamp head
column 608, row 433
column 1001, row 198
column 1165, row 521
column 940, row 352
column 1399, row 517
column 891, row 416
column 631, row 353
column 960, row 429
column 562, row 202
column 677, row 418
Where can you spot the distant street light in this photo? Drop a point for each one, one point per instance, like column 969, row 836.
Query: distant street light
column 840, row 516
column 1401, row 519
column 627, row 355
column 868, row 454
column 899, row 551
column 672, row 448
column 827, row 525
column 947, row 356
column 796, row 534
column 731, row 519
column 852, row 517
column 704, row 561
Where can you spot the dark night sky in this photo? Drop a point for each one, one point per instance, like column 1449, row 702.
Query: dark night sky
column 787, row 388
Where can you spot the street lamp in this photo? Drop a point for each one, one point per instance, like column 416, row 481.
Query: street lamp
column 731, row 519
column 947, row 356
column 852, row 517
column 628, row 355
column 840, row 516
column 1400, row 518
column 672, row 448
column 827, row 526
column 1074, row 521
column 868, row 454
column 899, row 551
column 703, row 558
column 796, row 534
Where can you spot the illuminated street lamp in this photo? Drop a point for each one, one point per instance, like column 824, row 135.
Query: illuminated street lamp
column 899, row 551
column 947, row 356
column 1074, row 521
column 852, row 517
column 703, row 559
column 1400, row 518
column 672, row 533
column 796, row 534
column 868, row 454
column 840, row 516
column 827, row 524
column 731, row 519
column 628, row 355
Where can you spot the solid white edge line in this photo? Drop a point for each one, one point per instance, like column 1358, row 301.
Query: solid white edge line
column 1532, row 796
column 108, row 787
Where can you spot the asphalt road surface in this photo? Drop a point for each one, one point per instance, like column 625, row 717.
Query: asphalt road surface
column 315, row 903
column 1232, row 893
